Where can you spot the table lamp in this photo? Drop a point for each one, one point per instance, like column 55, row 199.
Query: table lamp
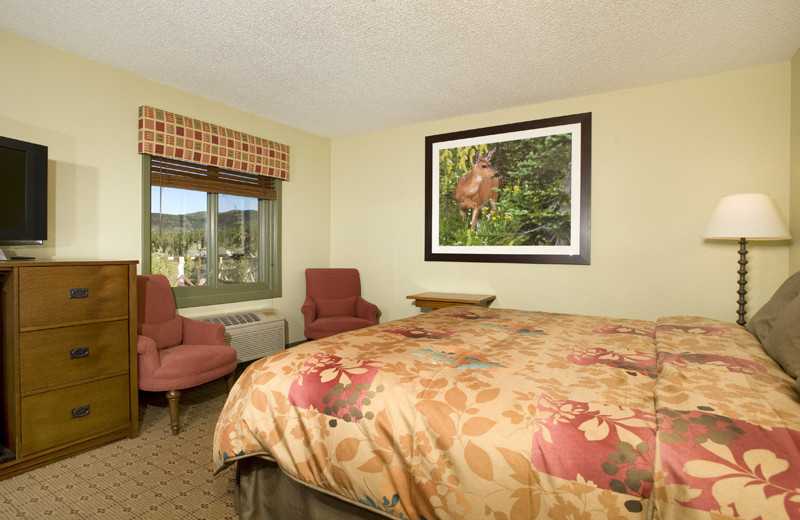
column 743, row 217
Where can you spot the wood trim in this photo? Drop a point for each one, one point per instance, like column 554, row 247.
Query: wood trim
column 9, row 282
column 133, row 333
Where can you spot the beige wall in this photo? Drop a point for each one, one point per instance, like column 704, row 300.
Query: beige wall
column 86, row 113
column 662, row 157
column 794, row 225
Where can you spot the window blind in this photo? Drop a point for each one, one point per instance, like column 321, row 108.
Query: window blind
column 172, row 173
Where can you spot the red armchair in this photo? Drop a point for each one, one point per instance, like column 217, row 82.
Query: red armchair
column 334, row 304
column 176, row 352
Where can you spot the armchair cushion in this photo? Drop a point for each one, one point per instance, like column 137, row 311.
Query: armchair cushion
column 166, row 333
column 324, row 327
column 209, row 333
column 327, row 308
column 185, row 366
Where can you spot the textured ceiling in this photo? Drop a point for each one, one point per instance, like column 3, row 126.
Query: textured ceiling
column 343, row 67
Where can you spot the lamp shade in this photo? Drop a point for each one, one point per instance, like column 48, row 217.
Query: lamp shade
column 747, row 215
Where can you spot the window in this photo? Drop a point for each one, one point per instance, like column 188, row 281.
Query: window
column 215, row 233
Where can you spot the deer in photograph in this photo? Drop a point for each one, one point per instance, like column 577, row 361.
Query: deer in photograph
column 477, row 188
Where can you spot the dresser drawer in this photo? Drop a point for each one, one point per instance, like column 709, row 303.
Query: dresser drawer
column 57, row 357
column 62, row 416
column 54, row 295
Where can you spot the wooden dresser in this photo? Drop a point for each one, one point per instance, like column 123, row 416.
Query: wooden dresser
column 69, row 363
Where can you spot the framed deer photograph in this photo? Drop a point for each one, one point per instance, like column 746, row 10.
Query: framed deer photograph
column 511, row 193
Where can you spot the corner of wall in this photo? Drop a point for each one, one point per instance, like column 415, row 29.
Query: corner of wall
column 794, row 165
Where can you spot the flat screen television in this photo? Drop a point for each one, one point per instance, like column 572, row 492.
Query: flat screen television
column 23, row 192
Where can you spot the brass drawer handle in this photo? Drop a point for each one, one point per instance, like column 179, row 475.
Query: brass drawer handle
column 79, row 292
column 80, row 411
column 77, row 353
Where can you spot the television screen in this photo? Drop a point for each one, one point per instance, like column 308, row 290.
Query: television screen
column 23, row 192
column 12, row 196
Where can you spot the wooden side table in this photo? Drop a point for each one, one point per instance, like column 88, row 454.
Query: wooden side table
column 437, row 300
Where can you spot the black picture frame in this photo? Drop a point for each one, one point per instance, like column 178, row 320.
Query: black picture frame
column 535, row 219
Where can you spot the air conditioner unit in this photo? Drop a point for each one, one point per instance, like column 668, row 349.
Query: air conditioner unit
column 254, row 334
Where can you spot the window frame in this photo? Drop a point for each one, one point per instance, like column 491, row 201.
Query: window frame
column 269, row 259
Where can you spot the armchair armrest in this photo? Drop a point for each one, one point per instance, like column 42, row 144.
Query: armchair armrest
column 148, row 355
column 309, row 310
column 196, row 332
column 366, row 310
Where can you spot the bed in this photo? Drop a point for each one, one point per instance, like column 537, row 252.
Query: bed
column 479, row 413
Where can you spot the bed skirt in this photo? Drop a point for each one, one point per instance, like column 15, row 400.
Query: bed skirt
column 264, row 492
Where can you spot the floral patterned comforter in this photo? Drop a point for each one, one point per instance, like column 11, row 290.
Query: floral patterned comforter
column 478, row 413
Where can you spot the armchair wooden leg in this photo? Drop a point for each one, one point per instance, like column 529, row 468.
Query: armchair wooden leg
column 173, row 397
column 229, row 380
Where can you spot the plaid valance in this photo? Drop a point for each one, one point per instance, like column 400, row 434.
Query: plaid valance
column 171, row 135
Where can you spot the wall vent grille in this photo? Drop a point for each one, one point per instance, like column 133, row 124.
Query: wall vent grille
column 254, row 334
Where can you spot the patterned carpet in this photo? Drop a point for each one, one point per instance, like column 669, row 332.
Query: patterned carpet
column 154, row 476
